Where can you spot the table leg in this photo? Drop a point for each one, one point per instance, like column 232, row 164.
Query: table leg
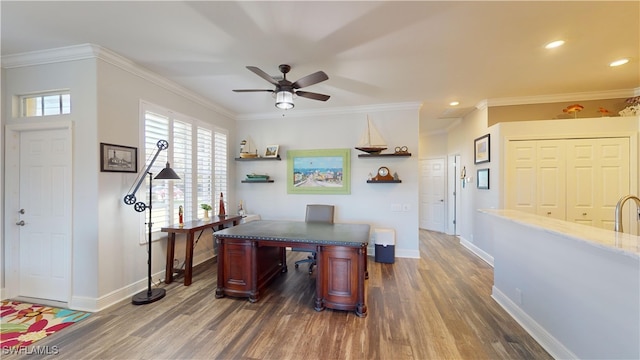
column 188, row 260
column 171, row 244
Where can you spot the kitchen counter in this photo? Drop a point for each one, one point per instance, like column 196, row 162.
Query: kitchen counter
column 607, row 239
column 574, row 288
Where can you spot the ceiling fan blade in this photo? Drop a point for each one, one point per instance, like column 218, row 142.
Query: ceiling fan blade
column 263, row 74
column 314, row 96
column 253, row 90
column 309, row 80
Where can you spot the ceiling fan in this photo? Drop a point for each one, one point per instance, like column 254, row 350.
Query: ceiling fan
column 285, row 89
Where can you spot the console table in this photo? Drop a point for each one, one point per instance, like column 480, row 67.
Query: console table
column 253, row 254
column 190, row 228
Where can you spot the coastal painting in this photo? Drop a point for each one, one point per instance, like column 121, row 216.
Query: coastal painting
column 324, row 171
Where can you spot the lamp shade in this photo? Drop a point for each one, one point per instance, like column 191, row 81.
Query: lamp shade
column 284, row 100
column 167, row 174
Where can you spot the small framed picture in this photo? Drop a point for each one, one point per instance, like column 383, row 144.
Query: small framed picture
column 272, row 151
column 483, row 179
column 481, row 149
column 118, row 158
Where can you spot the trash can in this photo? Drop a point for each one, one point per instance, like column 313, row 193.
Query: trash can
column 385, row 245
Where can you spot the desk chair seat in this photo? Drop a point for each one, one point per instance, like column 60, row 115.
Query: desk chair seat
column 315, row 213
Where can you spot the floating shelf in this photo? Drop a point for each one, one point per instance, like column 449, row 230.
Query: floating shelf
column 383, row 155
column 256, row 181
column 384, row 181
column 258, row 158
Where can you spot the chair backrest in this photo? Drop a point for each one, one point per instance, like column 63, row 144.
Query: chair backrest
column 319, row 213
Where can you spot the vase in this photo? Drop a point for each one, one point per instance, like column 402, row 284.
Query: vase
column 206, row 215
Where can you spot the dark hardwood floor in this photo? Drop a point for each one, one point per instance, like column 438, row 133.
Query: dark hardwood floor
column 437, row 307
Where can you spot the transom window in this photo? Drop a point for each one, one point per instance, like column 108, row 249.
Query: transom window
column 45, row 104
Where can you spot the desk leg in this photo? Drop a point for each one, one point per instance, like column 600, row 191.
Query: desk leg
column 188, row 260
column 220, row 260
column 171, row 244
column 361, row 308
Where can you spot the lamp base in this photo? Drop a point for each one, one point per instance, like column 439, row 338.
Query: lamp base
column 146, row 297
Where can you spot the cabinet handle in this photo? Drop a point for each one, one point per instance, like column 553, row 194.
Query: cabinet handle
column 584, row 214
column 548, row 212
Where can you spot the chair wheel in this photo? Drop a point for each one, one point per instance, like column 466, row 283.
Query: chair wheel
column 296, row 266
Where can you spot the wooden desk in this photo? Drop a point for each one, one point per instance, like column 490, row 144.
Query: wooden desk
column 251, row 255
column 190, row 228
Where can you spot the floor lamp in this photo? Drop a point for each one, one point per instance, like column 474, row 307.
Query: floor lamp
column 150, row 295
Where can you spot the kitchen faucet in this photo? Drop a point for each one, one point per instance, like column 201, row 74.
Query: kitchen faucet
column 619, row 205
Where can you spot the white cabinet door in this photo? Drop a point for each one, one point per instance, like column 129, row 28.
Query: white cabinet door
column 578, row 180
column 597, row 176
column 536, row 177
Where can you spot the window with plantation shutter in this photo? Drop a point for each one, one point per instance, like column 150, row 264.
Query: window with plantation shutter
column 204, row 175
column 220, row 169
column 197, row 153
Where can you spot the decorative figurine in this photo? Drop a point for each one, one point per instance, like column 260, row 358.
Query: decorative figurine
column 221, row 211
column 180, row 216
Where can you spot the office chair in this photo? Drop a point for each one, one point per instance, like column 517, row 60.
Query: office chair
column 315, row 213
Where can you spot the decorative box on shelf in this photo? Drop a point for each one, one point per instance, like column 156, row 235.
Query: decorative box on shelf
column 257, row 178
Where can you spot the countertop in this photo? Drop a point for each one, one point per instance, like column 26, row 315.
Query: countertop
column 608, row 239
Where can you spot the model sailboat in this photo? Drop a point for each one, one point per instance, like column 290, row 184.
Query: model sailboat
column 248, row 149
column 371, row 141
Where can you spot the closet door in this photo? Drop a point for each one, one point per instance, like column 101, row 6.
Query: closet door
column 551, row 175
column 521, row 176
column 597, row 176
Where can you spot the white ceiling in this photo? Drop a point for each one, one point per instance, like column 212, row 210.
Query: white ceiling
column 382, row 52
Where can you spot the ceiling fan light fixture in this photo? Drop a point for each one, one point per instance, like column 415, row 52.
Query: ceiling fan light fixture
column 284, row 100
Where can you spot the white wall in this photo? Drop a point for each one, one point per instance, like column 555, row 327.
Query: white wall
column 367, row 203
column 109, row 258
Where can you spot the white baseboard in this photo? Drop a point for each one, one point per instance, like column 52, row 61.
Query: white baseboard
column 399, row 253
column 477, row 251
column 554, row 347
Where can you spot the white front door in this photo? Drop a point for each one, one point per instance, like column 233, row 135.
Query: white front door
column 45, row 207
column 432, row 194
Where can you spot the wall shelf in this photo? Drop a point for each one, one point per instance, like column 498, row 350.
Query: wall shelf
column 384, row 181
column 256, row 181
column 258, row 158
column 384, row 155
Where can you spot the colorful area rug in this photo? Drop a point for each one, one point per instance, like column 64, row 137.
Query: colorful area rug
column 22, row 324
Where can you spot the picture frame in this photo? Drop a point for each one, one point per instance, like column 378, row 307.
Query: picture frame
column 323, row 171
column 483, row 179
column 271, row 151
column 482, row 149
column 118, row 158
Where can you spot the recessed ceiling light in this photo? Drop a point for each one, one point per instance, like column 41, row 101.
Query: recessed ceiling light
column 554, row 44
column 454, row 103
column 619, row 62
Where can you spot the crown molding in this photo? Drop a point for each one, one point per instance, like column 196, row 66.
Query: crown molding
column 333, row 111
column 542, row 99
column 91, row 51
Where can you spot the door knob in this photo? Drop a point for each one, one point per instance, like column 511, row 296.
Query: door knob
column 20, row 223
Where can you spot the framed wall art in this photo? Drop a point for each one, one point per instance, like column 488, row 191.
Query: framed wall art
column 481, row 149
column 118, row 158
column 271, row 151
column 319, row 171
column 483, row 179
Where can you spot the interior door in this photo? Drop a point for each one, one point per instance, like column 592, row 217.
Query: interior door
column 432, row 194
column 45, row 220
